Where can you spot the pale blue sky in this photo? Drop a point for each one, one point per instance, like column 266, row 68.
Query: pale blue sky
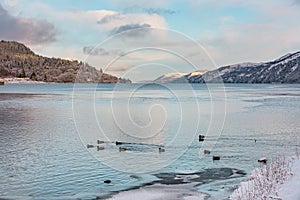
column 229, row 31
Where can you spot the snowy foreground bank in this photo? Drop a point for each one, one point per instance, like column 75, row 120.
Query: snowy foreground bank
column 290, row 189
column 279, row 179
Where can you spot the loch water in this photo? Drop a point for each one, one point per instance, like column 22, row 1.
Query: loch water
column 44, row 130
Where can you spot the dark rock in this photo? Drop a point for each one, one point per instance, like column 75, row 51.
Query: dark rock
column 263, row 160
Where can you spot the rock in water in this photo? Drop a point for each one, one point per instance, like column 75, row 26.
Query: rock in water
column 263, row 160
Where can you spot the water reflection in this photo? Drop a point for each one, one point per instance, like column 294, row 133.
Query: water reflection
column 42, row 156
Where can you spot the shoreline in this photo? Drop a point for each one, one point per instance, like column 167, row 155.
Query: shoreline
column 20, row 81
column 171, row 186
column 29, row 81
column 276, row 180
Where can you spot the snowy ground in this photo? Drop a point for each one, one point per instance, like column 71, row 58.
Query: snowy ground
column 290, row 189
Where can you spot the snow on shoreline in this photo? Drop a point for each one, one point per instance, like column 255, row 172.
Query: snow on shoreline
column 290, row 189
column 279, row 179
column 21, row 81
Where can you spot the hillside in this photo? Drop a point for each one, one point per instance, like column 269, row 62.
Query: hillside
column 178, row 77
column 283, row 70
column 17, row 60
column 173, row 77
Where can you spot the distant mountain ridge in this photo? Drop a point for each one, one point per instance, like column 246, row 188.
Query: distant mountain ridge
column 285, row 69
column 178, row 77
column 17, row 60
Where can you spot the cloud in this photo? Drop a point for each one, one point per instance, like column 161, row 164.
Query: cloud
column 31, row 31
column 11, row 3
column 132, row 30
column 109, row 18
column 97, row 51
column 160, row 11
column 296, row 1
column 251, row 42
column 266, row 30
column 150, row 10
column 141, row 3
column 118, row 69
column 116, row 22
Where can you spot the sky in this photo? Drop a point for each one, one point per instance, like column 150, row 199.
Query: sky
column 142, row 39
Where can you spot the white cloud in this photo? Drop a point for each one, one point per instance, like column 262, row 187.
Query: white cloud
column 271, row 31
column 143, row 3
column 28, row 30
column 11, row 4
column 154, row 20
column 265, row 31
column 252, row 42
column 89, row 18
column 79, row 28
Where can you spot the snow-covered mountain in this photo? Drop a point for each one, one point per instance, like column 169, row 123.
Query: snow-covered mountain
column 178, row 77
column 173, row 77
column 282, row 70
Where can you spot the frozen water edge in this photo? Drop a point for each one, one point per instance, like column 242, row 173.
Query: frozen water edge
column 290, row 189
column 160, row 191
column 179, row 185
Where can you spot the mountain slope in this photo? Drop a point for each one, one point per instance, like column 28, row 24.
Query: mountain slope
column 173, row 77
column 17, row 60
column 178, row 77
column 283, row 70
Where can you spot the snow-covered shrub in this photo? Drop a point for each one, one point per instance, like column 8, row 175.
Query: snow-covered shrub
column 264, row 182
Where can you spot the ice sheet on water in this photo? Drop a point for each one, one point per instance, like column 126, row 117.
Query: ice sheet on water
column 159, row 191
column 178, row 185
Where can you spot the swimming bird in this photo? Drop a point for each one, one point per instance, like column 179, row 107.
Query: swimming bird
column 107, row 181
column 206, row 152
column 160, row 150
column 100, row 148
column 201, row 138
column 122, row 149
column 216, row 157
column 89, row 146
column 100, row 142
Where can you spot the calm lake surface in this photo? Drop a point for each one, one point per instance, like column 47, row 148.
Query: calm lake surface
column 44, row 130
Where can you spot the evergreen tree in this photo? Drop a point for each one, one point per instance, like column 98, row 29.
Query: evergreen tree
column 45, row 78
column 33, row 76
column 22, row 74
